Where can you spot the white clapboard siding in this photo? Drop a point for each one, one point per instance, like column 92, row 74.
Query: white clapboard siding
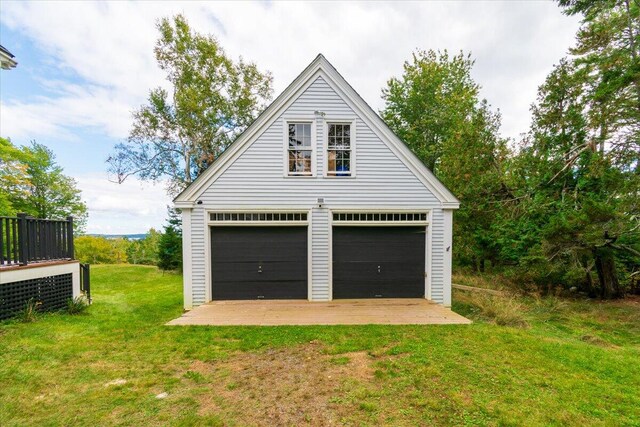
column 256, row 180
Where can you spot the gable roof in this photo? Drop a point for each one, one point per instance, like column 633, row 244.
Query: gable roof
column 318, row 67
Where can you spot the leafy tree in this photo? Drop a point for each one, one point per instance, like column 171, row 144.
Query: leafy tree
column 212, row 99
column 436, row 109
column 13, row 175
column 49, row 194
column 170, row 244
column 145, row 251
column 100, row 250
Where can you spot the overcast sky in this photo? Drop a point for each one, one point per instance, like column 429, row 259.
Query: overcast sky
column 83, row 68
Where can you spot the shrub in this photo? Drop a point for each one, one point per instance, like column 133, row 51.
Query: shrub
column 501, row 310
column 77, row 305
column 30, row 311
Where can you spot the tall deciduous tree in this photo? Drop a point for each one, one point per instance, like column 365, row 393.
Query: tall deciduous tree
column 13, row 175
column 50, row 193
column 436, row 109
column 181, row 131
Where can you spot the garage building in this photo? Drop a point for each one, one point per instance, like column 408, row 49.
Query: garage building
column 317, row 200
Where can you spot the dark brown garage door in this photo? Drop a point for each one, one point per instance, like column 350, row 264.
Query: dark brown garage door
column 259, row 262
column 378, row 262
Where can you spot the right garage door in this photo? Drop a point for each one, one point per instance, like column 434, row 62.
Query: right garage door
column 378, row 262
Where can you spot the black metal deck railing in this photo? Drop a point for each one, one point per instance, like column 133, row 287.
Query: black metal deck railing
column 25, row 240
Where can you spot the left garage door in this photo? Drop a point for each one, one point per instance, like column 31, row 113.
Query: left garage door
column 258, row 262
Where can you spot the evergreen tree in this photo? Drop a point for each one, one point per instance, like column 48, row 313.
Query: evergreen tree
column 170, row 243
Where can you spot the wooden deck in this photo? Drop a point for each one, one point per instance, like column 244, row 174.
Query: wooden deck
column 6, row 267
column 337, row 312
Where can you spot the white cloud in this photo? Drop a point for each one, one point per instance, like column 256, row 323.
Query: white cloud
column 128, row 208
column 110, row 45
column 76, row 107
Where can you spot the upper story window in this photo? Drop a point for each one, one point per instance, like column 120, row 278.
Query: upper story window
column 300, row 149
column 339, row 150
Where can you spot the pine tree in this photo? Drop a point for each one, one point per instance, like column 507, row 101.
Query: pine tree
column 170, row 244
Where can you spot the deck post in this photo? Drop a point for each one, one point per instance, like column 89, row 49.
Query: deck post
column 70, row 249
column 23, row 249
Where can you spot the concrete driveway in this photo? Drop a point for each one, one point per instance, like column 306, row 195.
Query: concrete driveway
column 337, row 312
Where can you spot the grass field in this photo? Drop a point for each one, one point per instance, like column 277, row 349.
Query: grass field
column 562, row 363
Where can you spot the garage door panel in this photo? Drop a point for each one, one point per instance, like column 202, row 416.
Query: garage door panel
column 263, row 245
column 256, row 253
column 370, row 262
column 259, row 262
column 377, row 251
column 267, row 290
column 273, row 271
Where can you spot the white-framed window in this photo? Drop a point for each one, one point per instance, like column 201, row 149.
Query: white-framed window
column 299, row 155
column 340, row 149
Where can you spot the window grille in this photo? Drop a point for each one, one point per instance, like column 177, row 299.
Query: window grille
column 258, row 216
column 407, row 217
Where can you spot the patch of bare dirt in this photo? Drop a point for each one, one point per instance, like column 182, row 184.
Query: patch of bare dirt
column 283, row 387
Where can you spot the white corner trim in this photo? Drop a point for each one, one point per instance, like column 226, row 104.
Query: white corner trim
column 310, row 255
column 208, row 280
column 187, row 264
column 447, row 258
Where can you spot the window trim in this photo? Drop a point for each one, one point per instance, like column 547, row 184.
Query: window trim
column 353, row 144
column 285, row 141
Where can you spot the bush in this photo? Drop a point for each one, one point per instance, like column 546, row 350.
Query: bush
column 30, row 311
column 501, row 310
column 77, row 305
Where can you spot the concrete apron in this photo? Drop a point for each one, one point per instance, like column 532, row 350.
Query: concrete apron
column 338, row 312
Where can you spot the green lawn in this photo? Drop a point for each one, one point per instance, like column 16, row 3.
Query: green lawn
column 576, row 363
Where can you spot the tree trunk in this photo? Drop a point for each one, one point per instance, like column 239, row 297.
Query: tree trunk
column 481, row 265
column 589, row 284
column 606, row 268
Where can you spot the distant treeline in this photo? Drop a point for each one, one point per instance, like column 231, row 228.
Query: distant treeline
column 161, row 248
